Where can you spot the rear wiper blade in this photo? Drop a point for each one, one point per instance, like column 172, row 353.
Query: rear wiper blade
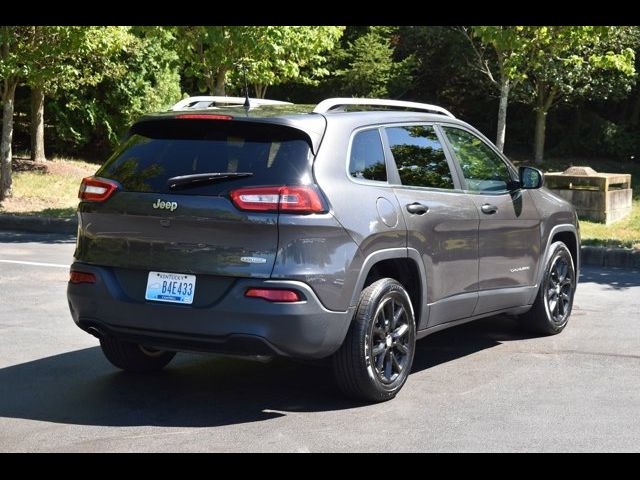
column 184, row 181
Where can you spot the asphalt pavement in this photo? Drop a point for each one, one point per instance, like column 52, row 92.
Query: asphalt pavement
column 484, row 386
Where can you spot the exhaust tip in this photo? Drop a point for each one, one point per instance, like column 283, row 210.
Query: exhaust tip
column 95, row 332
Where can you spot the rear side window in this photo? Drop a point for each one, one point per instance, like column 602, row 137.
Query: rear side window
column 419, row 157
column 367, row 157
column 159, row 150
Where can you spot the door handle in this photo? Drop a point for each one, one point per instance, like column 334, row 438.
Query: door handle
column 417, row 208
column 489, row 209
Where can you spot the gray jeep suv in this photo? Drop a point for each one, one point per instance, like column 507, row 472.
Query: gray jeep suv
column 346, row 232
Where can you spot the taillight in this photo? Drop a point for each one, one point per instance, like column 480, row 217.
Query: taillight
column 273, row 294
column 301, row 199
column 81, row 277
column 94, row 189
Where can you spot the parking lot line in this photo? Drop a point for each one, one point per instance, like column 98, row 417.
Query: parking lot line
column 36, row 264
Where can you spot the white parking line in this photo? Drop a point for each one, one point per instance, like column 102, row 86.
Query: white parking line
column 37, row 264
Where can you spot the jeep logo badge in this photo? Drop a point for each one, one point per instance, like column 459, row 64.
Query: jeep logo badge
column 165, row 205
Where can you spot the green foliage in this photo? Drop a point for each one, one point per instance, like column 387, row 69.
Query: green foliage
column 617, row 141
column 269, row 54
column 295, row 53
column 577, row 62
column 147, row 80
column 442, row 73
column 97, row 80
column 369, row 68
column 66, row 57
column 14, row 44
column 512, row 49
column 599, row 138
column 572, row 63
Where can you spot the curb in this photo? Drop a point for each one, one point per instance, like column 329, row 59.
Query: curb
column 39, row 224
column 590, row 255
column 609, row 257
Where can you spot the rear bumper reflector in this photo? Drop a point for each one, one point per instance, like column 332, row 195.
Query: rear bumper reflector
column 81, row 277
column 273, row 295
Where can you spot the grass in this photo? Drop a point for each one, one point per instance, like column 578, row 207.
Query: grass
column 624, row 233
column 49, row 189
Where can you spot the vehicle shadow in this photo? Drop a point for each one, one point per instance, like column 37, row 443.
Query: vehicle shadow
column 80, row 387
column 453, row 343
column 612, row 278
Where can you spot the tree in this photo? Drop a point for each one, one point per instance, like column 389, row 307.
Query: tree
column 634, row 117
column 145, row 78
column 295, row 53
column 511, row 50
column 572, row 62
column 369, row 68
column 13, row 45
column 270, row 54
column 63, row 58
column 442, row 75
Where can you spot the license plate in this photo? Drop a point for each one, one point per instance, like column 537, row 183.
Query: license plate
column 171, row 287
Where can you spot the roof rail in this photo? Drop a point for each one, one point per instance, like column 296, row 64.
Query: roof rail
column 193, row 103
column 333, row 103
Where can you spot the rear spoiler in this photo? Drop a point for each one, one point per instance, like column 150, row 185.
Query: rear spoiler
column 312, row 126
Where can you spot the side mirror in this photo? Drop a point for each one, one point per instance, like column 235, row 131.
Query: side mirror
column 530, row 178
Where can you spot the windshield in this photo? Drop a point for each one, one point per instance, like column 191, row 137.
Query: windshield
column 158, row 151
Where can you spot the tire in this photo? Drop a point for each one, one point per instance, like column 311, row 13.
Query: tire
column 132, row 357
column 363, row 374
column 552, row 307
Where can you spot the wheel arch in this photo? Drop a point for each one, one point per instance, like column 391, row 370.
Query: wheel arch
column 571, row 241
column 406, row 266
column 567, row 234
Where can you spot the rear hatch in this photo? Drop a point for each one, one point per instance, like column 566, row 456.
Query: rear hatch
column 154, row 221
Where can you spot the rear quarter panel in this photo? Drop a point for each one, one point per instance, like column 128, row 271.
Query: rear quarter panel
column 354, row 206
column 317, row 250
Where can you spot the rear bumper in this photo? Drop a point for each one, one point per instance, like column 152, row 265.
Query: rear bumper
column 233, row 324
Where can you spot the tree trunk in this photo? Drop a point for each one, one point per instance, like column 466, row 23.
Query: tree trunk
column 261, row 90
column 221, row 77
column 544, row 102
column 502, row 113
column 541, row 125
column 37, row 125
column 7, row 138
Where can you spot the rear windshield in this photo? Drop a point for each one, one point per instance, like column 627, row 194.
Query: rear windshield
column 159, row 150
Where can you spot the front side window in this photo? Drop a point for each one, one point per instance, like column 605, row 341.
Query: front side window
column 419, row 157
column 481, row 167
column 367, row 157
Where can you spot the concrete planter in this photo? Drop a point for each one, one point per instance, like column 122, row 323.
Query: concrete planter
column 599, row 197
